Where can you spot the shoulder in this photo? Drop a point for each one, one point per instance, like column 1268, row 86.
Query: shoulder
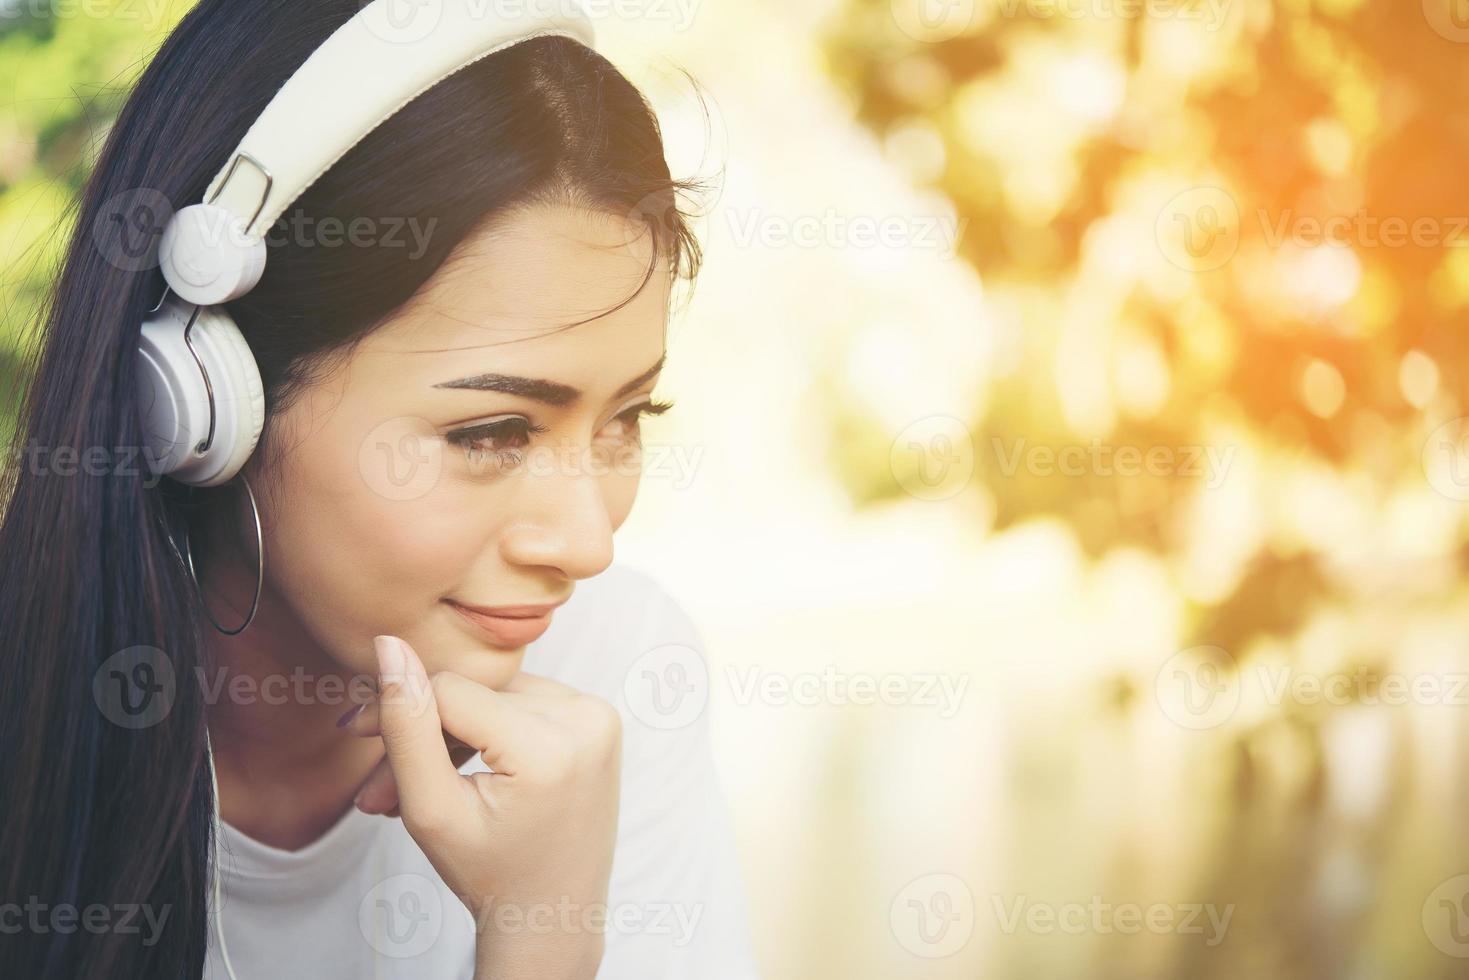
column 611, row 621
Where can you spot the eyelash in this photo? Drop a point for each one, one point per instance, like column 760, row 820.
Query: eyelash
column 469, row 438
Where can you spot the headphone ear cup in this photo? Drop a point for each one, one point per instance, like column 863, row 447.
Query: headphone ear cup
column 174, row 399
column 208, row 257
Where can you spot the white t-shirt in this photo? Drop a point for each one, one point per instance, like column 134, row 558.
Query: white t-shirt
column 362, row 901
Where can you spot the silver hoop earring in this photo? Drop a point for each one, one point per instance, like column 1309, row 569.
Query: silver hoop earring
column 259, row 568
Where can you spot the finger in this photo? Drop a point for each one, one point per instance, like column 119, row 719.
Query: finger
column 560, row 703
column 427, row 780
column 367, row 722
column 379, row 791
column 501, row 727
column 523, row 683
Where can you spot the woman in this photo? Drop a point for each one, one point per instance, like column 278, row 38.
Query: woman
column 458, row 331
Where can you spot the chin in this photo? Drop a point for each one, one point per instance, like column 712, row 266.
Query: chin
column 480, row 662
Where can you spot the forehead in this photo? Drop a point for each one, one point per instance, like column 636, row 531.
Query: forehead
column 498, row 302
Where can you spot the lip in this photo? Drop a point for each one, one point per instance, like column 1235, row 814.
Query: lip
column 509, row 632
column 510, row 612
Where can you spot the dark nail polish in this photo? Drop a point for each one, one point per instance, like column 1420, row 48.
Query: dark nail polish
column 352, row 712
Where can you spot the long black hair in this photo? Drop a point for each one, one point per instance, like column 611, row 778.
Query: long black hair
column 98, row 812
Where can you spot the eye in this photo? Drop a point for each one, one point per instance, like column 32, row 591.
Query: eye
column 505, row 440
column 631, row 418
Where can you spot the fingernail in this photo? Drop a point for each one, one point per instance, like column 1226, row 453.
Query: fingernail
column 350, row 714
column 391, row 664
column 419, row 692
column 414, row 665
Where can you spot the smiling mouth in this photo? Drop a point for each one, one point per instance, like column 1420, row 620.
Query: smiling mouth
column 505, row 631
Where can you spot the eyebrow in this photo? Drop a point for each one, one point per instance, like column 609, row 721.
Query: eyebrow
column 551, row 392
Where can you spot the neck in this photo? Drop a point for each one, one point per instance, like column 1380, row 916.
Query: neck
column 287, row 773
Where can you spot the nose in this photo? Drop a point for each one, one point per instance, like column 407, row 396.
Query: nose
column 565, row 519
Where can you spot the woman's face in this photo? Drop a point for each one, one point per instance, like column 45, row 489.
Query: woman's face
column 467, row 452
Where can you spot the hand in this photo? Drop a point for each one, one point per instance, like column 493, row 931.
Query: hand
column 537, row 832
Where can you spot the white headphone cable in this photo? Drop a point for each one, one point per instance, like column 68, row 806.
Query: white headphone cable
column 224, row 952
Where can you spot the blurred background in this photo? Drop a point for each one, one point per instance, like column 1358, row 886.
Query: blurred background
column 1071, row 462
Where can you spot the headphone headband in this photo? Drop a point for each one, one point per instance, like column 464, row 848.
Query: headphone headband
column 366, row 71
column 200, row 394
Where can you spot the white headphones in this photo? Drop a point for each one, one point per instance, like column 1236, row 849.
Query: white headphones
column 201, row 400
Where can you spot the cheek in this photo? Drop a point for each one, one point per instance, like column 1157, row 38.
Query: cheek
column 621, row 474
column 620, row 491
column 354, row 553
column 353, row 562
